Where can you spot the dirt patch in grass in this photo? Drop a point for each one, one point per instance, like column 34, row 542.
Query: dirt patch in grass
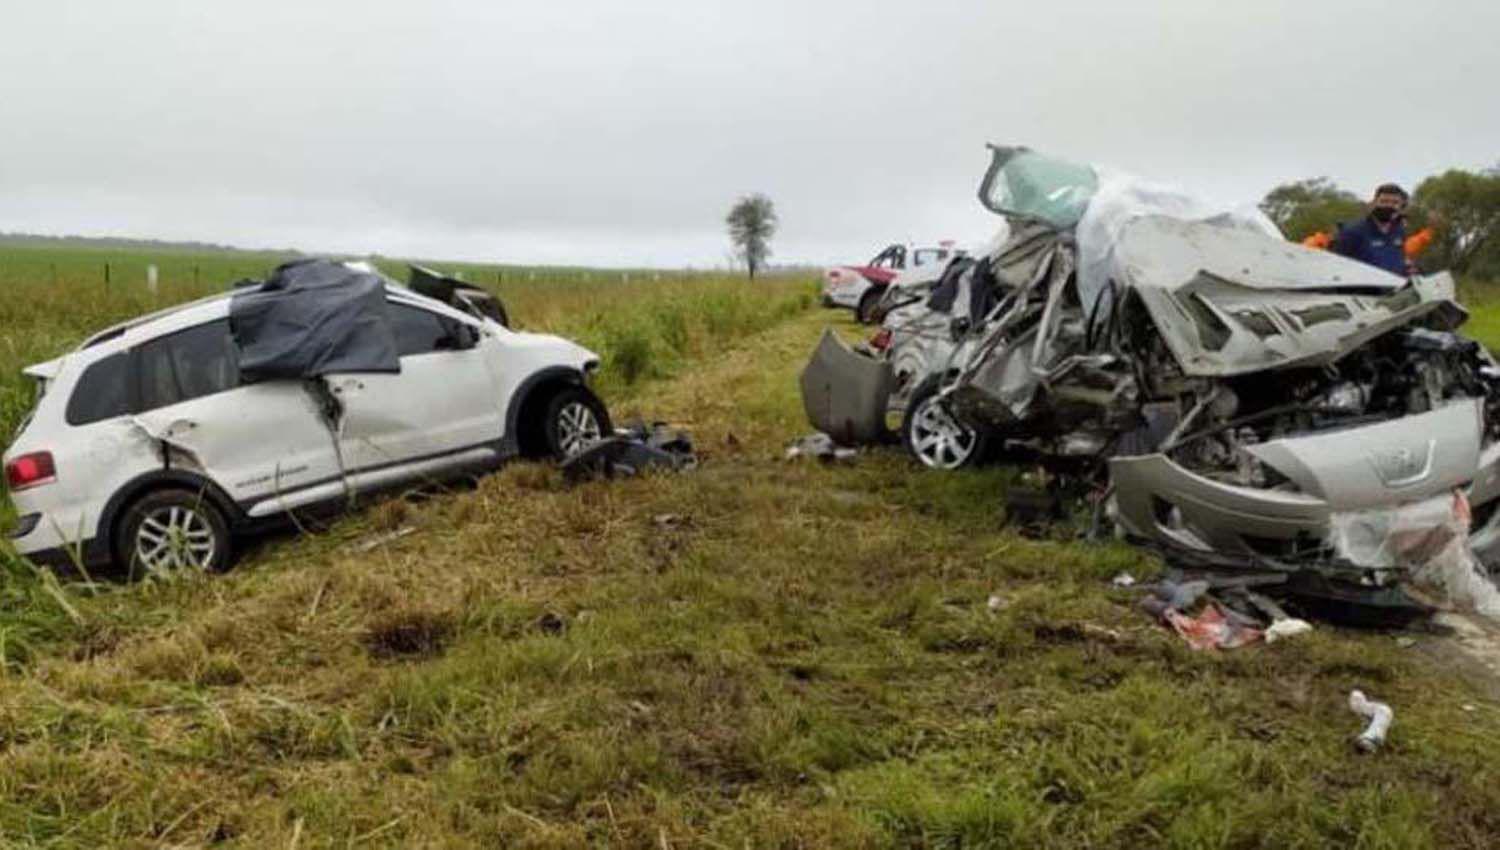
column 409, row 633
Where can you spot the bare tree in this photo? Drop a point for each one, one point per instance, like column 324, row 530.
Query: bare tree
column 752, row 223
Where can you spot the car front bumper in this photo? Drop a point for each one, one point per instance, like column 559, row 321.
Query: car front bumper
column 1369, row 468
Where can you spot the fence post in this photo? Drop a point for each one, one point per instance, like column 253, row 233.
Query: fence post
column 106, row 275
column 151, row 278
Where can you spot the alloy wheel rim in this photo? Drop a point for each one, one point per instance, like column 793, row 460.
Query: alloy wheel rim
column 577, row 427
column 938, row 440
column 174, row 537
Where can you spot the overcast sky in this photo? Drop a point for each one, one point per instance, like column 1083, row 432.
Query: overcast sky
column 610, row 132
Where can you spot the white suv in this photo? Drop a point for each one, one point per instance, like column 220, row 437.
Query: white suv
column 148, row 451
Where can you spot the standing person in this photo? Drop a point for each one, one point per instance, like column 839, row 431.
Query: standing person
column 1380, row 237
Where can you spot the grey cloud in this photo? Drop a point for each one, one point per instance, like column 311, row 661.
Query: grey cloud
column 618, row 133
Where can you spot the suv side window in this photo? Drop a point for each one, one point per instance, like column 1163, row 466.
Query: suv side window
column 102, row 392
column 418, row 331
column 924, row 256
column 194, row 363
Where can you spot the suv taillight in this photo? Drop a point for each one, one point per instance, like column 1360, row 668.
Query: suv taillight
column 881, row 340
column 30, row 470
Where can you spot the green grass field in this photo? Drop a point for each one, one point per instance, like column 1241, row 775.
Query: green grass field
column 759, row 653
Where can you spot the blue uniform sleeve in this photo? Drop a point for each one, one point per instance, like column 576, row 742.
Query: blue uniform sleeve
column 1347, row 242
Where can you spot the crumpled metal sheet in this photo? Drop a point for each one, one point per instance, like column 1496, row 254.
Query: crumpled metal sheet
column 844, row 393
column 631, row 451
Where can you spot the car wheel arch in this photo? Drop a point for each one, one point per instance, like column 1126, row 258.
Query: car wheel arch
column 163, row 479
column 531, row 395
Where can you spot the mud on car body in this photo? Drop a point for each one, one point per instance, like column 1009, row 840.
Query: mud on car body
column 1234, row 392
column 156, row 441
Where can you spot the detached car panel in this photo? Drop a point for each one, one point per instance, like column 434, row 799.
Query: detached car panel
column 844, row 394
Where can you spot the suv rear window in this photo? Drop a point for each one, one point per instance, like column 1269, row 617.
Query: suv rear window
column 103, row 391
column 189, row 364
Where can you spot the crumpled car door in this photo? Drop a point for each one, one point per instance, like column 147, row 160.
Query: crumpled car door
column 442, row 410
column 264, row 444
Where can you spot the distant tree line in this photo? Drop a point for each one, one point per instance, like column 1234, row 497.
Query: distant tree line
column 1462, row 208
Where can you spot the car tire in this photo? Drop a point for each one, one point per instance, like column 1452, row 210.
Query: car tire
column 574, row 418
column 934, row 438
column 173, row 529
column 865, row 312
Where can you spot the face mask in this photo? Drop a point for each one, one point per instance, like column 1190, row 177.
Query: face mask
column 1385, row 215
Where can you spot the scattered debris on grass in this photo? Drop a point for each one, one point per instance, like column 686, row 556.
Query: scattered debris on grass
column 1217, row 627
column 820, row 446
column 1287, row 628
column 632, row 450
column 670, row 522
column 372, row 543
column 1380, row 716
column 1236, row 617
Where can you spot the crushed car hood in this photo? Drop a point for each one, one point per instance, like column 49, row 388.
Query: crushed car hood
column 1166, row 252
column 1230, row 301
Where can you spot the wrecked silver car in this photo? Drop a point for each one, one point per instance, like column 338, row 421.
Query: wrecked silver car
column 1235, row 394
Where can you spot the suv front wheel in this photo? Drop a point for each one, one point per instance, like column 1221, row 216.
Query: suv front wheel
column 575, row 418
column 173, row 529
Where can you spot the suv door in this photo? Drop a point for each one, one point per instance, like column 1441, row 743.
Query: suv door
column 440, row 412
column 265, row 444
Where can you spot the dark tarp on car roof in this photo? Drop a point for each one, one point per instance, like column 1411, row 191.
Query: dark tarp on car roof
column 313, row 318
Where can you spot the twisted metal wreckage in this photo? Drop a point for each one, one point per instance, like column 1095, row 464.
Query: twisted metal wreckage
column 1246, row 404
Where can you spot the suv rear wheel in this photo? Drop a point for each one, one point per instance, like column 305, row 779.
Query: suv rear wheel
column 172, row 529
column 574, row 419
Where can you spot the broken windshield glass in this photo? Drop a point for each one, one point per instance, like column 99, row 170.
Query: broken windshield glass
column 1022, row 183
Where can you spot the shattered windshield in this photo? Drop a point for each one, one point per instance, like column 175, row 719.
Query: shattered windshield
column 1025, row 184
